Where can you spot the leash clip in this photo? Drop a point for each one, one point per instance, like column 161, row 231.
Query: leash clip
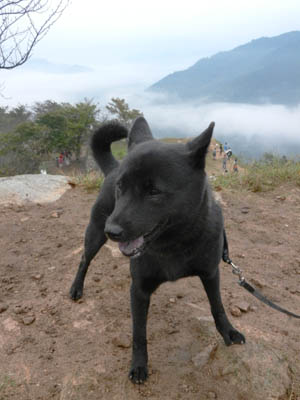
column 237, row 271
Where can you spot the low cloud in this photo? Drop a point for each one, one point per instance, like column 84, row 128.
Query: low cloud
column 250, row 129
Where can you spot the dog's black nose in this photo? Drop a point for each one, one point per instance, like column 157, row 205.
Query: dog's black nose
column 114, row 232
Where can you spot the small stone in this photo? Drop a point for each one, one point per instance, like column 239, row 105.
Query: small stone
column 55, row 214
column 240, row 255
column 3, row 307
column 244, row 210
column 172, row 300
column 280, row 198
column 96, row 278
column 171, row 331
column 243, row 306
column 122, row 341
column 37, row 277
column 258, row 282
column 28, row 320
column 253, row 308
column 211, row 395
column 235, row 311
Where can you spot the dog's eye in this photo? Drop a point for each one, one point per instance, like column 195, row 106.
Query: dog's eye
column 154, row 191
column 151, row 190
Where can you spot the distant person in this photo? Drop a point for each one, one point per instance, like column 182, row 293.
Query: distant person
column 214, row 153
column 224, row 163
column 235, row 166
column 228, row 152
column 60, row 160
column 221, row 149
column 225, row 146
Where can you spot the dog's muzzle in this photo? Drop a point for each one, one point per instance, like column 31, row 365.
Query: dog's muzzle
column 132, row 248
column 135, row 247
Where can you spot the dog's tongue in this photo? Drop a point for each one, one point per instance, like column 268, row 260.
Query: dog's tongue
column 129, row 248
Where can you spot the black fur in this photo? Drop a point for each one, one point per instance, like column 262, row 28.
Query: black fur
column 158, row 205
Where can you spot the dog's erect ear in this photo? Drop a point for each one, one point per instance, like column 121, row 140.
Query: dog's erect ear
column 198, row 147
column 139, row 132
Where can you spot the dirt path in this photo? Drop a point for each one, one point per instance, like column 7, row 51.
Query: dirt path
column 53, row 348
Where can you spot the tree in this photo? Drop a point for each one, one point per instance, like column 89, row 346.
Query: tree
column 82, row 119
column 19, row 114
column 55, row 128
column 65, row 126
column 23, row 23
column 9, row 119
column 45, row 107
column 22, row 150
column 121, row 110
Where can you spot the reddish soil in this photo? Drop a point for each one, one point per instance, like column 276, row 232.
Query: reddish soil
column 53, row 348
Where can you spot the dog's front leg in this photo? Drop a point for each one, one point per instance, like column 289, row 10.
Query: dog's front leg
column 228, row 332
column 94, row 239
column 140, row 301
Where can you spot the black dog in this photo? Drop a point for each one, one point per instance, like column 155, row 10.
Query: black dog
column 158, row 205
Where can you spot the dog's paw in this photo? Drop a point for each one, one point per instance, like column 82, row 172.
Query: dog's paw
column 75, row 292
column 234, row 337
column 138, row 375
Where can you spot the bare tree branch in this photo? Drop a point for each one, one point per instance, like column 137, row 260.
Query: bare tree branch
column 23, row 23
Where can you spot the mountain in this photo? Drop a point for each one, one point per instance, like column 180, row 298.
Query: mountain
column 265, row 70
column 43, row 65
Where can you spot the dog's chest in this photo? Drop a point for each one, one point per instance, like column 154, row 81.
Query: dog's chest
column 174, row 268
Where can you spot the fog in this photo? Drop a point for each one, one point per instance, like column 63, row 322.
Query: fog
column 250, row 130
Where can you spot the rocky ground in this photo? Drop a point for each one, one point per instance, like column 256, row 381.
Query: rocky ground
column 53, row 348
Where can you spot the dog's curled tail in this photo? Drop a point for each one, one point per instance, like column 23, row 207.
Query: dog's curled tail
column 101, row 141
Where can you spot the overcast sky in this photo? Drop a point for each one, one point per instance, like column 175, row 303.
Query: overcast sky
column 132, row 44
column 129, row 45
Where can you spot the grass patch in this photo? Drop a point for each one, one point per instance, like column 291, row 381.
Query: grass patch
column 261, row 176
column 90, row 181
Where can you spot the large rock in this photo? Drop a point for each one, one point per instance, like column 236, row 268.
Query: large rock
column 255, row 370
column 252, row 371
column 38, row 188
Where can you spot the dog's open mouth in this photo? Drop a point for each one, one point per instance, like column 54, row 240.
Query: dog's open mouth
column 134, row 248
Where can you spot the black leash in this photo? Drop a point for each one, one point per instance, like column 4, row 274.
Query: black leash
column 242, row 282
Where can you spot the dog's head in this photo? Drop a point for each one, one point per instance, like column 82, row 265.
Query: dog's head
column 158, row 191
